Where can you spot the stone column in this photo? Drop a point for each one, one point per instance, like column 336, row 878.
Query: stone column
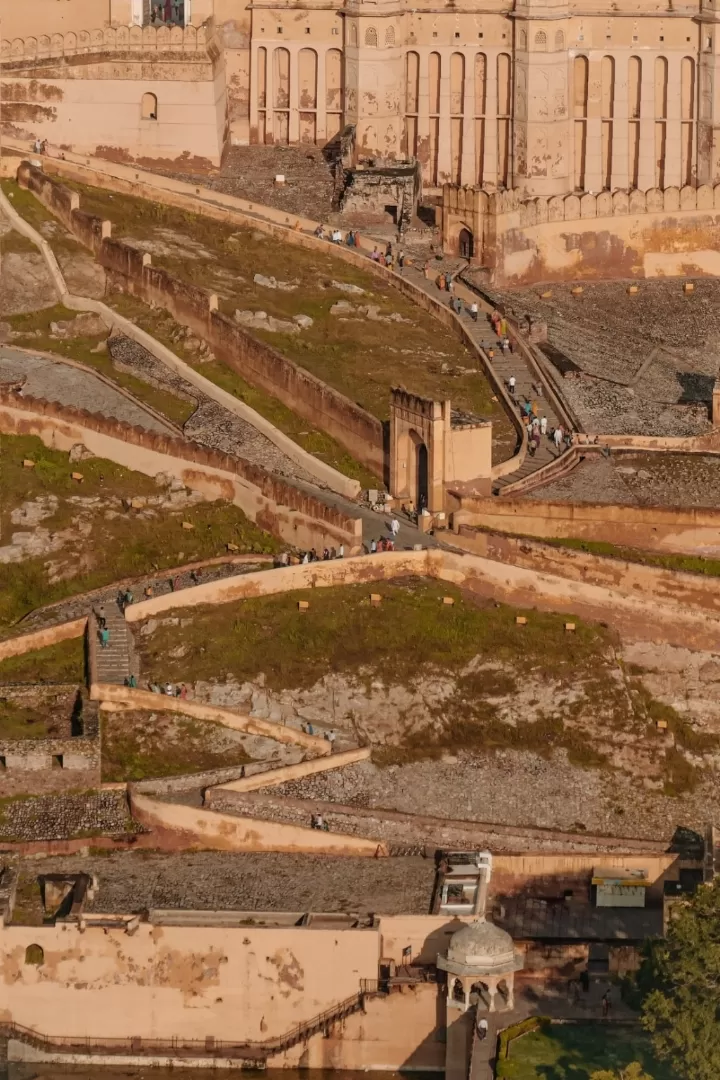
column 511, row 990
column 490, row 161
column 254, row 96
column 294, row 96
column 270, row 95
column 467, row 160
column 646, row 167
column 593, row 141
column 444, row 134
column 423, row 119
column 673, row 133
column 620, row 131
column 321, row 91
column 492, row 991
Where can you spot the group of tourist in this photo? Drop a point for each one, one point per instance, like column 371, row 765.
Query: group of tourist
column 302, row 558
column 167, row 11
column 385, row 258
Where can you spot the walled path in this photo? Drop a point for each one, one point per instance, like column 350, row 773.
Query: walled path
column 115, row 662
column 66, row 384
column 504, row 364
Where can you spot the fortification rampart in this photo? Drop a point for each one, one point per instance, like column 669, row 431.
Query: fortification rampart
column 276, row 506
column 617, row 234
column 109, row 39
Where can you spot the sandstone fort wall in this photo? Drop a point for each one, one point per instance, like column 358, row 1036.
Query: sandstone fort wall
column 643, row 234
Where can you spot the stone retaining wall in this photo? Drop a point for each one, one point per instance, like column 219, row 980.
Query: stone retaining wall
column 278, row 507
column 62, row 816
column 40, row 639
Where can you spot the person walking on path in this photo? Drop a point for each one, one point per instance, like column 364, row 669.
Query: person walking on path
column 543, row 425
column 394, row 526
column 558, row 438
column 104, row 638
column 606, row 1004
column 512, row 382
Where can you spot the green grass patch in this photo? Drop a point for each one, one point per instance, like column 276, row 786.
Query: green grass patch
column 575, row 1051
column 358, row 356
column 315, row 442
column 410, row 631
column 126, row 544
column 61, row 663
column 138, row 746
column 15, row 243
column 33, row 211
column 82, row 349
column 17, row 722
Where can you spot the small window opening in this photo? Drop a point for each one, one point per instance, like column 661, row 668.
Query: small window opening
column 57, row 761
column 34, row 955
column 149, row 107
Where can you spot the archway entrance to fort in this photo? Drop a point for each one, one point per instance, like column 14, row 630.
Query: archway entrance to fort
column 421, row 471
column 466, row 244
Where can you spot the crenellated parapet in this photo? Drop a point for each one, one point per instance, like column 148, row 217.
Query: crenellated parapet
column 121, row 39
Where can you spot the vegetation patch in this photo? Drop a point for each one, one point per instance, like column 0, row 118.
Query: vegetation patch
column 138, row 746
column 577, row 1051
column 103, row 537
column 689, row 564
column 61, row 663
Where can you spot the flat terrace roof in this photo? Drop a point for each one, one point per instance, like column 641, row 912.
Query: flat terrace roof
column 134, row 882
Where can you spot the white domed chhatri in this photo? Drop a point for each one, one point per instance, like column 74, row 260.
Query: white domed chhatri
column 479, row 957
column 481, row 946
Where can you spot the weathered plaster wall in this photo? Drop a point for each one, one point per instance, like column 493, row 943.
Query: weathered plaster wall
column 163, row 981
column 636, row 617
column 212, row 830
column 85, row 90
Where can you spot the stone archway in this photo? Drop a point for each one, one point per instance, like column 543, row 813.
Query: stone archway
column 466, row 244
column 418, row 431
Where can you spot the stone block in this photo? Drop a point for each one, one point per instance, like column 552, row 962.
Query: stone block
column 520, row 620
column 303, row 605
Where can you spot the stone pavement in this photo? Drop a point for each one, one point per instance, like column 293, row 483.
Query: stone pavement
column 504, row 365
column 51, row 380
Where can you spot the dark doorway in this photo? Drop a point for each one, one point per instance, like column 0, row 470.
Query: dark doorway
column 466, row 244
column 392, row 212
column 422, row 475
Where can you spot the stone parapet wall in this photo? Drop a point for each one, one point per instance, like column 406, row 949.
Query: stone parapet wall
column 693, row 590
column 49, row 817
column 122, row 39
column 291, row 514
column 651, row 528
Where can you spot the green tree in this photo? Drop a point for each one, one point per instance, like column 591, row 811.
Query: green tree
column 634, row 1071
column 680, row 982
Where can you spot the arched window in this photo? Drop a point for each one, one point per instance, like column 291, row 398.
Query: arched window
column 371, row 36
column 559, row 40
column 149, row 107
column 389, row 36
column 541, row 40
column 34, row 955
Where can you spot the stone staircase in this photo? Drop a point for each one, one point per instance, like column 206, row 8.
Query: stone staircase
column 114, row 664
column 527, row 385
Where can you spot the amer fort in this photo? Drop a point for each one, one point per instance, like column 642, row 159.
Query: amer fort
column 359, row 535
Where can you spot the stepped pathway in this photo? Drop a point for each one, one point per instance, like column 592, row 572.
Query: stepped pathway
column 115, row 662
column 504, row 364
